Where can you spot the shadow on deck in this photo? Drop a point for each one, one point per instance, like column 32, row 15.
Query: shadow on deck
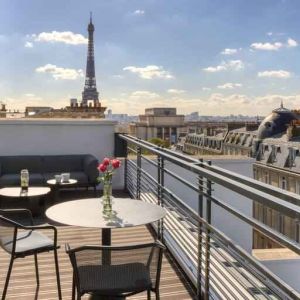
column 23, row 285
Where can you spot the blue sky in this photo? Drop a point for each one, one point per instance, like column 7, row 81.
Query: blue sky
column 213, row 56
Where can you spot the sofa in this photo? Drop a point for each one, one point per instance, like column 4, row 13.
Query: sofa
column 82, row 167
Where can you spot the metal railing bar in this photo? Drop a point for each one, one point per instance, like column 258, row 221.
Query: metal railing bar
column 149, row 179
column 272, row 190
column 287, row 208
column 150, row 161
column 266, row 230
column 221, row 287
column 245, row 276
column 177, row 154
column 228, row 280
column 191, row 219
column 178, row 235
column 253, row 267
column 178, row 256
column 185, row 182
column 183, row 227
column 149, row 189
column 131, row 149
column 229, row 242
column 253, row 262
column 263, row 278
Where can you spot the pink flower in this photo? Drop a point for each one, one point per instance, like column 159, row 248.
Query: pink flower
column 115, row 163
column 102, row 167
column 106, row 161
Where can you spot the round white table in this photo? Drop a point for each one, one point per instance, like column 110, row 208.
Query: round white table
column 62, row 183
column 88, row 213
column 55, row 186
column 30, row 196
column 33, row 191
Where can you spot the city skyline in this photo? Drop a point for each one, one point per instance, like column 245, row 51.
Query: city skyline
column 238, row 58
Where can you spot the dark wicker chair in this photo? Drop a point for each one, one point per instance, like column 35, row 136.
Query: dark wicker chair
column 116, row 271
column 21, row 239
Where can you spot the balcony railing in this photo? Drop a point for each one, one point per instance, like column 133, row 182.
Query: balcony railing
column 219, row 267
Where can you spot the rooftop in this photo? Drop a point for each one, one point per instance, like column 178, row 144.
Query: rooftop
column 173, row 282
column 207, row 230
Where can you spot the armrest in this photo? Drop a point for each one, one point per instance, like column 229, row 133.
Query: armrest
column 90, row 164
column 13, row 213
column 39, row 227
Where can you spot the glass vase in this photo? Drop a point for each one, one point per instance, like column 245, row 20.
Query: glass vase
column 107, row 198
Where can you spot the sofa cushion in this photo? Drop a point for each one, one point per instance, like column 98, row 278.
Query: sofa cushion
column 14, row 180
column 10, row 180
column 62, row 163
column 81, row 177
column 14, row 164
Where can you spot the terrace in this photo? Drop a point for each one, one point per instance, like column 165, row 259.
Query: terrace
column 207, row 230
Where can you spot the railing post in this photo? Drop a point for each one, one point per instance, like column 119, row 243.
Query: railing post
column 160, row 184
column 200, row 212
column 207, row 244
column 138, row 172
column 126, row 168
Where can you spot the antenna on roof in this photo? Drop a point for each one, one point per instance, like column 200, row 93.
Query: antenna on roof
column 91, row 16
column 281, row 105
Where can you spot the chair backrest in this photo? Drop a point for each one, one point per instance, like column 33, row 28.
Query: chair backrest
column 8, row 233
column 149, row 255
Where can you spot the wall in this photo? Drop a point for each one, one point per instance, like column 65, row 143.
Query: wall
column 58, row 136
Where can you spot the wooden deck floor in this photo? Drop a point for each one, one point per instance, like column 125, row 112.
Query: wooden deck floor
column 23, row 284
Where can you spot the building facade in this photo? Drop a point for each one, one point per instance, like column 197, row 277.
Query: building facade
column 232, row 138
column 158, row 122
column 277, row 163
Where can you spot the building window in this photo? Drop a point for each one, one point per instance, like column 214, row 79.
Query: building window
column 159, row 132
column 283, row 183
column 266, row 177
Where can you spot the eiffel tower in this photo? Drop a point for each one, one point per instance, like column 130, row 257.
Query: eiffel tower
column 90, row 89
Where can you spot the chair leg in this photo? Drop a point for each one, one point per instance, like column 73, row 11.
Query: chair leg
column 157, row 295
column 148, row 294
column 78, row 296
column 73, row 288
column 57, row 275
column 7, row 277
column 36, row 270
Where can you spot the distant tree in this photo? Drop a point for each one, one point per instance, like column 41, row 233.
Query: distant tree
column 160, row 142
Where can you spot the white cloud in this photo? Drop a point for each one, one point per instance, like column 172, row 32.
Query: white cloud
column 150, row 72
column 274, row 46
column 139, row 12
column 229, row 51
column 270, row 33
column 206, row 89
column 60, row 73
column 118, row 76
column 267, row 46
column 231, row 104
column 28, row 45
column 175, row 91
column 274, row 74
column 30, row 95
column 229, row 86
column 143, row 95
column 234, row 65
column 291, row 43
column 67, row 37
column 214, row 69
